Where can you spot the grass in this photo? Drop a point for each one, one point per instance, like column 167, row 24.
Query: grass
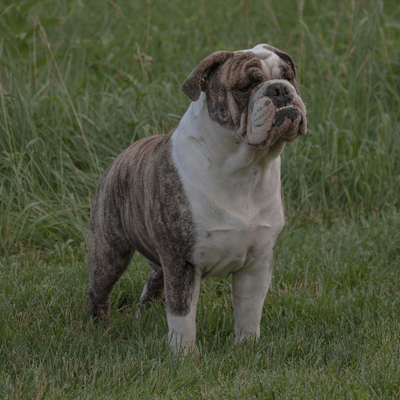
column 80, row 81
column 330, row 327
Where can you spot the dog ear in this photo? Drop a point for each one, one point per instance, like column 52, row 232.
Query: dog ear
column 194, row 83
column 285, row 57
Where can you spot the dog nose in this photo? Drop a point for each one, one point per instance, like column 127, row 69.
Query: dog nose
column 279, row 93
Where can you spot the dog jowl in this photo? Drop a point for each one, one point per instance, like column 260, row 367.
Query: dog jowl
column 204, row 200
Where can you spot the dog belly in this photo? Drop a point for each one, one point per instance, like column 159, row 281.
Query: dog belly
column 219, row 253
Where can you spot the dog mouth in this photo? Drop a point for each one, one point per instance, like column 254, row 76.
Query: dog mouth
column 284, row 108
column 283, row 113
column 285, row 125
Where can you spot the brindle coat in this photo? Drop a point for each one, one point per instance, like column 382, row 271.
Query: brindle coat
column 157, row 223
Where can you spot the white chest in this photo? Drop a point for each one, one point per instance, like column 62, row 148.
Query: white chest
column 236, row 225
column 237, row 215
column 220, row 253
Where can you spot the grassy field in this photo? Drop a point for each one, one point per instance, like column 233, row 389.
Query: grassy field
column 80, row 81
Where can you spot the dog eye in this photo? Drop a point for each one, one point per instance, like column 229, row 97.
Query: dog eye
column 245, row 89
column 289, row 79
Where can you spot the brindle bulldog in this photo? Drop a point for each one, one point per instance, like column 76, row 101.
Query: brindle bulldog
column 204, row 200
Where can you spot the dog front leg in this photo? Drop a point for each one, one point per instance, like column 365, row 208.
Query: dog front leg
column 249, row 291
column 182, row 294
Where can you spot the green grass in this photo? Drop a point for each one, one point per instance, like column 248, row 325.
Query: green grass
column 330, row 327
column 80, row 81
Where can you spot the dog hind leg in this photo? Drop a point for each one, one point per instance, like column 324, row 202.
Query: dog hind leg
column 154, row 287
column 107, row 262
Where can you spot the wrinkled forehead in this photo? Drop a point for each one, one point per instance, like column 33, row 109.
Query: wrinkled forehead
column 268, row 58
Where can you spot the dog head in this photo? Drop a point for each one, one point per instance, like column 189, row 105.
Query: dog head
column 253, row 93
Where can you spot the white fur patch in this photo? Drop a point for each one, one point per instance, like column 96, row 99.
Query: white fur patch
column 234, row 192
column 262, row 52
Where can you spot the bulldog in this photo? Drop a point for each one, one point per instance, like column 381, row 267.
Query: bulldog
column 205, row 200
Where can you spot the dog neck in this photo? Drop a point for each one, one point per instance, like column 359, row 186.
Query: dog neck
column 228, row 182
column 212, row 146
